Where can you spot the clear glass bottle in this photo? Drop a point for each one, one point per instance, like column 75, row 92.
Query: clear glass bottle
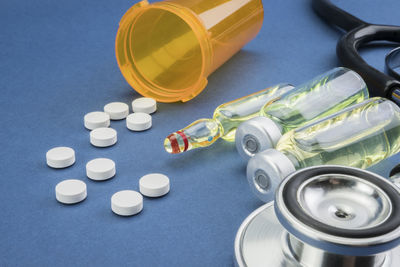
column 226, row 118
column 324, row 95
column 358, row 136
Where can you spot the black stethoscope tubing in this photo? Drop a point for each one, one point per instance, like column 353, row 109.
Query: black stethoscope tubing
column 360, row 33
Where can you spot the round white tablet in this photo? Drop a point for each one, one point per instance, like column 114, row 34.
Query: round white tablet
column 138, row 121
column 71, row 191
column 154, row 185
column 127, row 203
column 100, row 169
column 103, row 137
column 96, row 119
column 60, row 157
column 117, row 110
column 144, row 104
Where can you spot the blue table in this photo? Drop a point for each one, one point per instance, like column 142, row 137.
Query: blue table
column 57, row 63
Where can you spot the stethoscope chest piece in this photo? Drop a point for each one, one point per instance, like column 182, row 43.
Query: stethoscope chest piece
column 328, row 216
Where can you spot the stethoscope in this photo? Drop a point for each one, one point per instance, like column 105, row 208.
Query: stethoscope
column 325, row 216
column 360, row 33
column 333, row 216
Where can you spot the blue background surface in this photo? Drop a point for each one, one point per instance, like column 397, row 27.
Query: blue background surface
column 57, row 63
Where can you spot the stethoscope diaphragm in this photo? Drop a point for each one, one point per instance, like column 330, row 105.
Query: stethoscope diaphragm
column 344, row 217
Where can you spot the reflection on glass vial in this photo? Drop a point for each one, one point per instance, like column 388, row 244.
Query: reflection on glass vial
column 320, row 97
column 226, row 119
column 358, row 136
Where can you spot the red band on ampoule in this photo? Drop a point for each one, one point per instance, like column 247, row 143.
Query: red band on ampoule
column 185, row 140
column 174, row 144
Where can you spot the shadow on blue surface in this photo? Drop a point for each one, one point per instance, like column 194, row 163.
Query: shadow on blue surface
column 58, row 63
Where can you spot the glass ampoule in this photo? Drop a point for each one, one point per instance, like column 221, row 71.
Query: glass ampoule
column 323, row 95
column 226, row 118
column 358, row 136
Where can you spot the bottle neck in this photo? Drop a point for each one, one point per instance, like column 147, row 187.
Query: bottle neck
column 293, row 159
column 200, row 133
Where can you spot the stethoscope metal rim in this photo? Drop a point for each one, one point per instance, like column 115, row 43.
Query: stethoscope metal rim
column 382, row 241
column 392, row 61
column 269, row 259
column 269, row 228
column 239, row 261
column 284, row 256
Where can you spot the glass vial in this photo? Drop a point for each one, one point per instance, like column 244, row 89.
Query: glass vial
column 358, row 136
column 320, row 97
column 226, row 119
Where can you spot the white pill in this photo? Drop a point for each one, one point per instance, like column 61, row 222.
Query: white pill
column 117, row 110
column 154, row 185
column 96, row 119
column 127, row 203
column 138, row 121
column 100, row 169
column 71, row 191
column 60, row 157
column 103, row 137
column 144, row 104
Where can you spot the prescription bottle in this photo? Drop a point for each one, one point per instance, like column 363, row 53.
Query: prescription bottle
column 166, row 50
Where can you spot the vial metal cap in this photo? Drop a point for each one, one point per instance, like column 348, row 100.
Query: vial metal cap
column 266, row 170
column 256, row 135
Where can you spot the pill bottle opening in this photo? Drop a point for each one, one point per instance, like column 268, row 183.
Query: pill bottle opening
column 161, row 53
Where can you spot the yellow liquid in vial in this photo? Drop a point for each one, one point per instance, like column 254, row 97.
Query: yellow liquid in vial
column 322, row 96
column 224, row 123
column 359, row 136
